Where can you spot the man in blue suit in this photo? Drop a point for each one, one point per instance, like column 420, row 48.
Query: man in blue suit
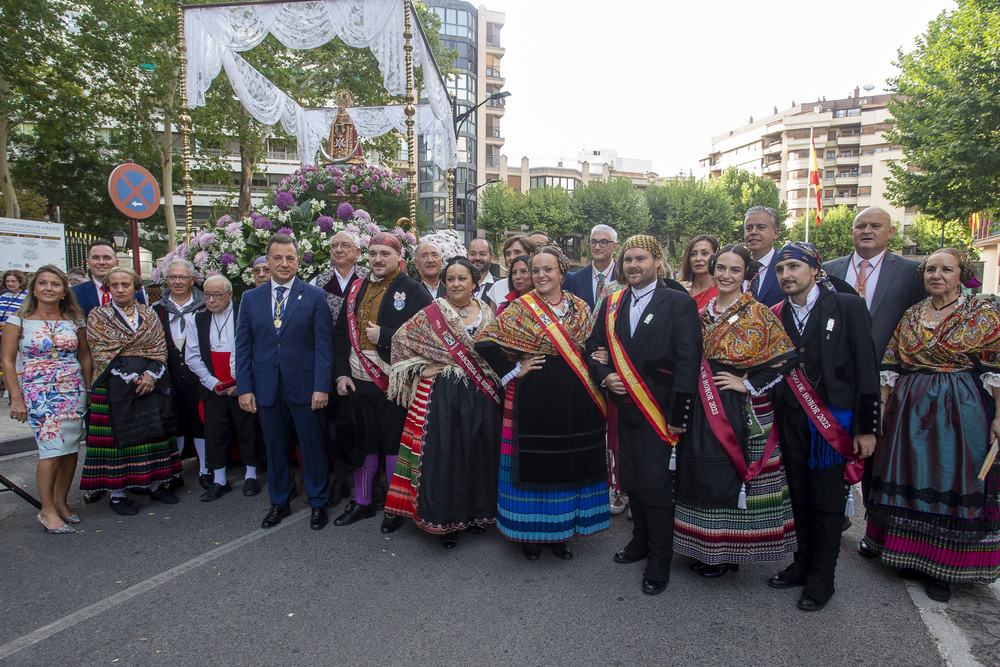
column 591, row 282
column 284, row 371
column 761, row 227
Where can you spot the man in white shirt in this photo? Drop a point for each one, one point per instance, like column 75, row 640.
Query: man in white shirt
column 761, row 227
column 210, row 355
column 345, row 248
column 591, row 282
column 429, row 262
column 481, row 255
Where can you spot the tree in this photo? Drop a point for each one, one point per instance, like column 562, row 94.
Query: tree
column 946, row 107
column 501, row 209
column 683, row 208
column 925, row 232
column 615, row 203
column 833, row 237
column 549, row 209
column 745, row 190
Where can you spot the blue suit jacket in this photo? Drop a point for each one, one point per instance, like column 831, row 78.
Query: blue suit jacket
column 86, row 296
column 581, row 283
column 770, row 290
column 299, row 355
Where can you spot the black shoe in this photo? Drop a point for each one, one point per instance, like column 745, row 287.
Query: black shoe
column 318, row 519
column 476, row 529
column 697, row 566
column 846, row 525
column 865, row 549
column 378, row 497
column 124, row 506
column 355, row 512
column 215, row 492
column 173, row 484
column 275, row 516
column 653, row 587
column 338, row 491
column 806, row 603
column 391, row 523
column 532, row 551
column 937, row 589
column 560, row 550
column 206, row 481
column 92, row 497
column 783, row 580
column 448, row 541
column 623, row 557
column 161, row 495
column 909, row 574
column 713, row 571
column 251, row 487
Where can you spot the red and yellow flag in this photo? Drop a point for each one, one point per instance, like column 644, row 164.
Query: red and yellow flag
column 814, row 175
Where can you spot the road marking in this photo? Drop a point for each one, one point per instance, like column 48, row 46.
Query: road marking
column 11, row 457
column 88, row 612
column 950, row 641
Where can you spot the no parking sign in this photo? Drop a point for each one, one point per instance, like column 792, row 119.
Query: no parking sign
column 134, row 191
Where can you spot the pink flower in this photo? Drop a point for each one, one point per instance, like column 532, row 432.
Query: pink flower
column 395, row 191
column 352, row 228
column 372, row 228
column 199, row 259
column 340, row 193
column 354, row 189
column 383, row 185
column 363, row 214
column 320, row 187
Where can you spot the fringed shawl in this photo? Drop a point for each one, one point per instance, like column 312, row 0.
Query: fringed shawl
column 747, row 335
column 968, row 338
column 517, row 329
column 109, row 337
column 415, row 345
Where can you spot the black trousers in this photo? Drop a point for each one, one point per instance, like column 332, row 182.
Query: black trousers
column 644, row 464
column 185, row 387
column 818, row 500
column 223, row 416
column 384, row 423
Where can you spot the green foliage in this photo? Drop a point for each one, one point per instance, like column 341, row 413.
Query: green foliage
column 549, row 209
column 833, row 237
column 683, row 208
column 616, row 203
column 947, row 111
column 32, row 204
column 500, row 209
column 746, row 190
column 925, row 232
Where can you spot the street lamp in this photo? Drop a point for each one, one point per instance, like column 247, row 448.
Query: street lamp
column 469, row 191
column 120, row 237
column 458, row 119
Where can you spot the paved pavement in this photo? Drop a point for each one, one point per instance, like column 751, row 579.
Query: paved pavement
column 200, row 583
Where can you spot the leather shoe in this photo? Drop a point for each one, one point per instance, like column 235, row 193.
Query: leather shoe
column 251, row 487
column 338, row 491
column 354, row 512
column 713, row 571
column 910, row 574
column 937, row 589
column 697, row 566
column 532, row 551
column 318, row 519
column 846, row 525
column 782, row 580
column 623, row 557
column 560, row 550
column 448, row 541
column 391, row 523
column 206, row 481
column 92, row 497
column 379, row 494
column 806, row 603
column 161, row 495
column 865, row 549
column 275, row 516
column 124, row 506
column 173, row 484
column 653, row 587
column 215, row 492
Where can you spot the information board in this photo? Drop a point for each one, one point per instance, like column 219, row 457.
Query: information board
column 29, row 244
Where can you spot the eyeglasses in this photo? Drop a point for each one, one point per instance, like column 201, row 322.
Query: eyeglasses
column 346, row 245
column 215, row 295
column 261, row 269
column 546, row 270
column 603, row 243
column 178, row 278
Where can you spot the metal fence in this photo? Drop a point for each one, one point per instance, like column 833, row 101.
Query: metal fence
column 76, row 248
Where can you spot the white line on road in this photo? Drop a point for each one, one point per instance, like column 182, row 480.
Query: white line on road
column 11, row 457
column 43, row 633
column 951, row 643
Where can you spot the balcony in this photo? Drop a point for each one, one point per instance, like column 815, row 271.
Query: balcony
column 772, row 167
column 493, row 76
column 492, row 161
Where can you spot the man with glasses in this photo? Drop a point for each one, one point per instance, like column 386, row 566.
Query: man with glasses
column 591, row 282
column 175, row 309
column 210, row 355
column 540, row 238
column 345, row 248
column 261, row 271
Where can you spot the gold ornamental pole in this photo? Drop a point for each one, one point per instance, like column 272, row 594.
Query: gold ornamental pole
column 185, row 128
column 451, row 198
column 410, row 110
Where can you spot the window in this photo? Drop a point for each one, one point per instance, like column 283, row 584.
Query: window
column 799, row 173
column 845, row 113
column 827, row 194
column 798, row 134
column 866, row 170
column 831, row 135
column 882, row 148
column 831, row 155
column 865, row 190
column 493, row 34
column 829, row 173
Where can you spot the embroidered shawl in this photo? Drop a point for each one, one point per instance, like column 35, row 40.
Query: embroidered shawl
column 967, row 339
column 415, row 346
column 109, row 337
column 747, row 335
column 328, row 282
column 517, row 329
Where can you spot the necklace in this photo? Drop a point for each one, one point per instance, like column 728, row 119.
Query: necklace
column 461, row 309
column 54, row 354
column 218, row 330
column 937, row 311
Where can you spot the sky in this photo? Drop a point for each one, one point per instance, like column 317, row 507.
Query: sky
column 657, row 80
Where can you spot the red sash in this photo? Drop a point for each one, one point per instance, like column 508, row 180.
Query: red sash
column 723, row 431
column 459, row 353
column 380, row 379
column 559, row 337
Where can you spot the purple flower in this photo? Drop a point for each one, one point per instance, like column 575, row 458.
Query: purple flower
column 223, row 221
column 284, row 201
column 325, row 223
column 320, row 187
column 345, row 211
column 233, row 228
column 410, row 238
column 206, row 239
column 286, row 230
column 227, row 258
column 308, row 257
column 260, row 222
column 363, row 214
column 372, row 228
column 354, row 189
column 352, row 228
column 340, row 182
column 199, row 259
column 340, row 193
column 395, row 191
column 383, row 185
column 368, row 184
column 375, row 177
column 302, row 179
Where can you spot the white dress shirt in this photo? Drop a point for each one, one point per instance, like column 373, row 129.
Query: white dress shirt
column 637, row 306
column 608, row 273
column 873, row 273
column 342, row 280
column 285, row 296
column 176, row 333
column 484, row 287
column 222, row 338
column 800, row 314
column 765, row 263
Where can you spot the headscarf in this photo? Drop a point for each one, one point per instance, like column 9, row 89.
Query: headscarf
column 644, row 241
column 803, row 252
column 387, row 239
column 260, row 260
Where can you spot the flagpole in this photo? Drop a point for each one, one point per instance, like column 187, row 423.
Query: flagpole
column 808, row 182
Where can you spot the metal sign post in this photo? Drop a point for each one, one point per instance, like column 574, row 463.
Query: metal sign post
column 135, row 193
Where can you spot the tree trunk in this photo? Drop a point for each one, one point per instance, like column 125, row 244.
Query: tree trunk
column 167, row 167
column 247, row 163
column 6, row 185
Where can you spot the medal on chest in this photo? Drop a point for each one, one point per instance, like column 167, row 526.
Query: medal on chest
column 399, row 300
column 277, row 323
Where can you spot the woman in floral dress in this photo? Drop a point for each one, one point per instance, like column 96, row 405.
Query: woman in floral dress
column 49, row 334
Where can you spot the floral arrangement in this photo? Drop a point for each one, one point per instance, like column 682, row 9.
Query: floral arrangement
column 449, row 241
column 357, row 181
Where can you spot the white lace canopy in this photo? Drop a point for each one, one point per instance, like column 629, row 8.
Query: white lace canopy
column 215, row 35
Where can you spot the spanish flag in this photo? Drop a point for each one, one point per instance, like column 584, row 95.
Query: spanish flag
column 814, row 176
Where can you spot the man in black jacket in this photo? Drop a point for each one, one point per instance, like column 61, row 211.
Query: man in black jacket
column 374, row 308
column 658, row 335
column 836, row 356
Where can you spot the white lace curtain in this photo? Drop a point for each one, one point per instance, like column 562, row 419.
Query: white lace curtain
column 215, row 35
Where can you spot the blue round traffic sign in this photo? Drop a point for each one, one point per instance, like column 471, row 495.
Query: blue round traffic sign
column 134, row 191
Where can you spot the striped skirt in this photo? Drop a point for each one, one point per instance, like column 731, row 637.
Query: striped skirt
column 764, row 531
column 109, row 468
column 549, row 516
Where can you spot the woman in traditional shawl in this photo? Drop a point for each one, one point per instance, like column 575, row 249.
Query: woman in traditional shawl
column 446, row 474
column 934, row 504
column 553, row 470
column 130, row 435
column 720, row 520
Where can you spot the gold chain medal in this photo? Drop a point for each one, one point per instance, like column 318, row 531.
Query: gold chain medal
column 277, row 323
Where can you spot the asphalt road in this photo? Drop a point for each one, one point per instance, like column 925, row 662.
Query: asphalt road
column 201, row 584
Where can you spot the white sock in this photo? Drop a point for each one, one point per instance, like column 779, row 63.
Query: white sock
column 180, row 450
column 199, row 447
column 220, row 476
column 118, row 494
column 251, row 472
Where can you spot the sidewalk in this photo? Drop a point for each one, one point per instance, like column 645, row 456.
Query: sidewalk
column 15, row 437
